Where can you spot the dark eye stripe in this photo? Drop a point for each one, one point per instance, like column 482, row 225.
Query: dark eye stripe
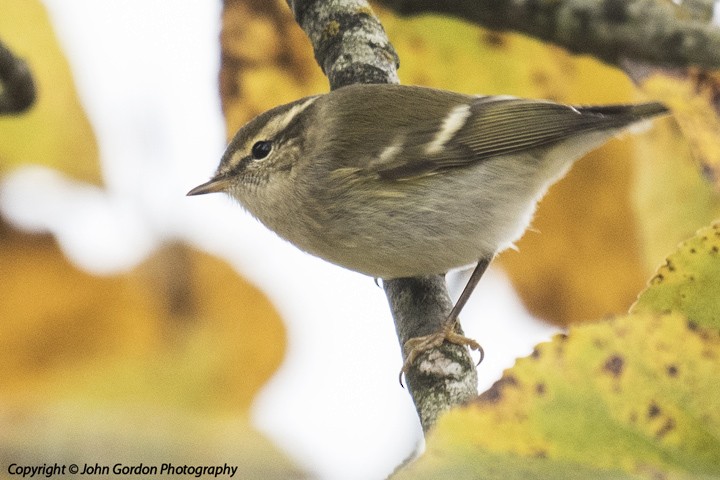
column 240, row 166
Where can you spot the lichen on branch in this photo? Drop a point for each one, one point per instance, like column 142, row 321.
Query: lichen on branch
column 349, row 41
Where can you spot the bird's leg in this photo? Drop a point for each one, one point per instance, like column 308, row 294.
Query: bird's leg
column 448, row 332
column 477, row 274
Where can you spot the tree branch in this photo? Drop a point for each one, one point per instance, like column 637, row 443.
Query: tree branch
column 349, row 42
column 442, row 377
column 651, row 31
column 17, row 89
column 351, row 47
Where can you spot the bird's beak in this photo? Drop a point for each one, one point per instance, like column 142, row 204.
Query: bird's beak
column 217, row 184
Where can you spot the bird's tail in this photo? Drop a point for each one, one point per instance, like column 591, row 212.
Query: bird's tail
column 626, row 114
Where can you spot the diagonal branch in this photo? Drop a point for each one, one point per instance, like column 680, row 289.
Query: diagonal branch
column 442, row 377
column 351, row 47
column 651, row 31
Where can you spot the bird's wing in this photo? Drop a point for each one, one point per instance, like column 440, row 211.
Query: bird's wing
column 493, row 126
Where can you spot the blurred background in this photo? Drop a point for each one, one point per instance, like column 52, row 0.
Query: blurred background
column 142, row 325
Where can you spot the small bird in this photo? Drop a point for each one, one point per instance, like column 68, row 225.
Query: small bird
column 399, row 181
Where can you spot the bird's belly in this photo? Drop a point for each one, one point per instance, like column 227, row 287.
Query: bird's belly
column 432, row 242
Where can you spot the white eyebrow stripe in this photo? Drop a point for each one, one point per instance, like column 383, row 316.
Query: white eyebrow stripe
column 454, row 121
column 294, row 111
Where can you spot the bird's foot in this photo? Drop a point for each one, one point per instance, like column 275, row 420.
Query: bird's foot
column 416, row 346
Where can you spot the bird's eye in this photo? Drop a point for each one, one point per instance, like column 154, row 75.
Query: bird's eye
column 261, row 149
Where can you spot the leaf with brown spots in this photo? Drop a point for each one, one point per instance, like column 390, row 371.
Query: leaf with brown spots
column 689, row 281
column 636, row 394
column 614, row 365
column 603, row 406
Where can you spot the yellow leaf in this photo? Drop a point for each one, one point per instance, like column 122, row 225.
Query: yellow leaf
column 692, row 96
column 120, row 436
column 267, row 61
column 55, row 131
column 582, row 259
column 182, row 329
column 671, row 197
column 162, row 362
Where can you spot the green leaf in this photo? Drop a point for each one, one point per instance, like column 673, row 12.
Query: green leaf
column 689, row 281
column 629, row 397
